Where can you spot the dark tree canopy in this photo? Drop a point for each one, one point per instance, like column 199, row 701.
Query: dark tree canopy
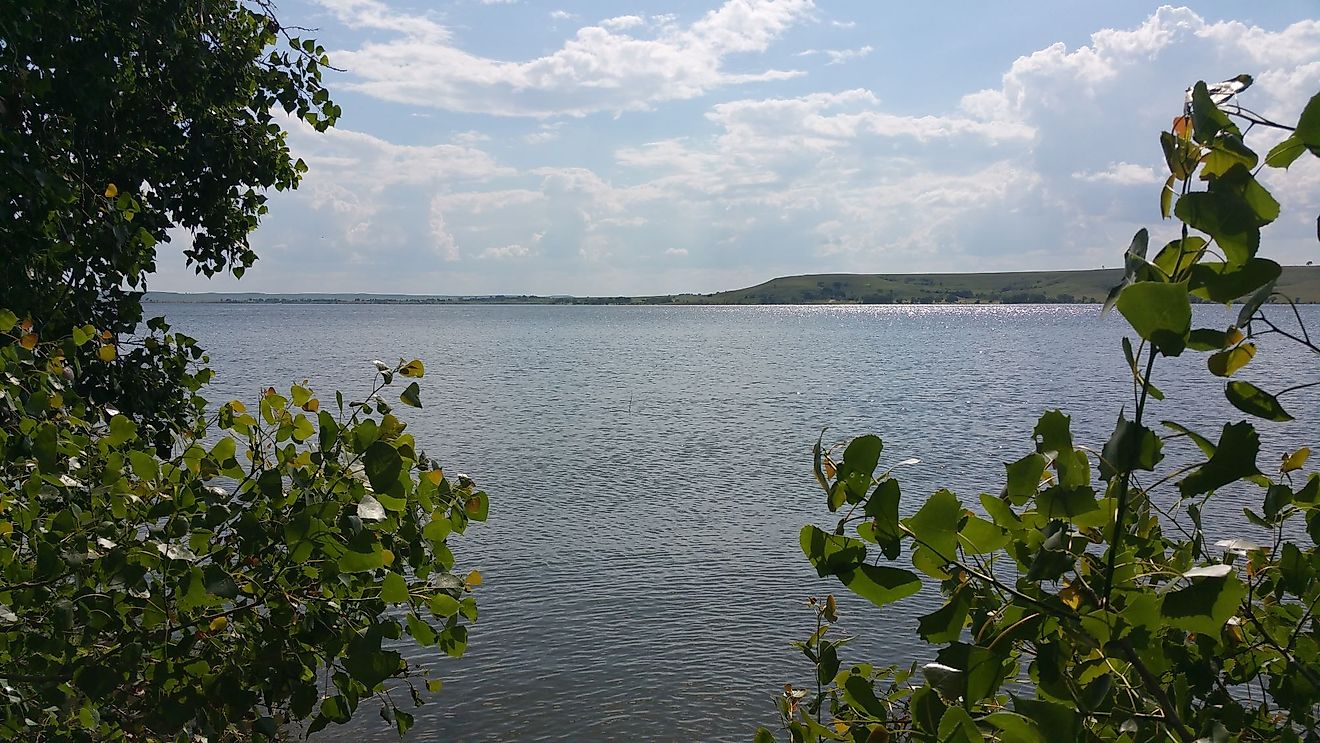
column 122, row 125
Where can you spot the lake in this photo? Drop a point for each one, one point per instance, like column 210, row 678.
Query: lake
column 650, row 467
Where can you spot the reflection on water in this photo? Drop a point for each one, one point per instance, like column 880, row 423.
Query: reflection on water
column 649, row 469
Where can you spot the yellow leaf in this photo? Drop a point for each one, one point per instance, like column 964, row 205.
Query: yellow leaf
column 829, row 468
column 413, row 368
column 1295, row 460
column 111, row 191
column 840, row 726
column 387, row 557
column 237, row 406
column 1071, row 597
column 28, row 341
column 312, row 405
column 106, row 353
column 1233, row 337
column 218, row 624
column 6, row 528
column 473, row 579
column 434, row 476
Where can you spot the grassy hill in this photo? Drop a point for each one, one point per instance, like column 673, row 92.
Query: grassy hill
column 1038, row 287
column 1300, row 282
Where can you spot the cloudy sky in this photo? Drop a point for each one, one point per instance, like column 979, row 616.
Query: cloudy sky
column 658, row 146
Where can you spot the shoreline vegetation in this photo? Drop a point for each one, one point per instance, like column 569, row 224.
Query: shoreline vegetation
column 1302, row 283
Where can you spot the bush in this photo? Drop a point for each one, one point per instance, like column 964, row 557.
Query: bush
column 1077, row 608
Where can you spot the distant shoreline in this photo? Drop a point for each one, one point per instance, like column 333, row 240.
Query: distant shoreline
column 1301, row 283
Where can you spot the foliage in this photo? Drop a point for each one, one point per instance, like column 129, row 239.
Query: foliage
column 170, row 570
column 251, row 580
column 1082, row 602
column 123, row 124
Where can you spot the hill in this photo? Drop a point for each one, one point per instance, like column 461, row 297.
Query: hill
column 1023, row 287
column 1300, row 282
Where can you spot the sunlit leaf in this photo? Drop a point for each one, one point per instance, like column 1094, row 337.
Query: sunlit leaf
column 1224, row 363
column 880, row 584
column 1249, row 398
column 1159, row 313
column 1296, row 460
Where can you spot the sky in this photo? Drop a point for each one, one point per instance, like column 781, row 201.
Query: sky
column 662, row 146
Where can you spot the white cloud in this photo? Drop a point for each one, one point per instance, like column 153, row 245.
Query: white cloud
column 602, row 68
column 444, row 243
column 1053, row 168
column 1122, row 174
column 620, row 23
column 839, row 56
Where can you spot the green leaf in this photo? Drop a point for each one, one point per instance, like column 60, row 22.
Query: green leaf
column 831, row 554
column 1063, row 722
column 1207, row 339
column 1000, row 512
column 1308, row 124
column 219, row 583
column 1053, row 432
column 1068, row 504
column 1134, row 264
column 359, row 562
column 1177, row 257
column 1207, row 448
column 1159, row 313
column 1249, row 398
column 1205, row 606
column 1166, row 197
column 411, row 395
column 858, row 467
column 1227, row 150
column 394, row 589
column 122, row 430
column 956, row 726
column 945, row 624
column 880, row 584
column 382, row 465
column 1024, row 476
column 7, row 321
column 372, row 667
column 1233, row 459
column 1180, row 155
column 936, row 524
column 1224, row 363
column 443, row 605
column 763, row 736
column 980, row 537
column 1132, row 446
column 1286, row 152
column 883, row 508
column 1015, row 727
column 1225, row 282
column 1207, row 119
column 1254, row 303
column 1225, row 216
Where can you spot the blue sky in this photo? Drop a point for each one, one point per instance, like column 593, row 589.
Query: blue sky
column 600, row 148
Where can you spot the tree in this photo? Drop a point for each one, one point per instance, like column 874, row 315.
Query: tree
column 168, row 568
column 1083, row 609
column 122, row 126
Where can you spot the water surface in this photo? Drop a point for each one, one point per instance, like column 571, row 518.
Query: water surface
column 649, row 470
